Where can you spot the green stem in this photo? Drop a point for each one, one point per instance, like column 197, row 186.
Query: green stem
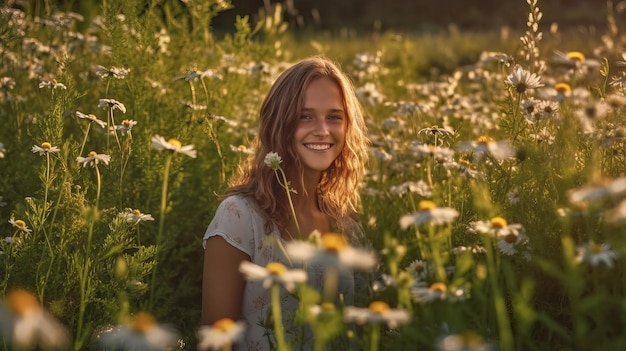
column 374, row 337
column 279, row 329
column 82, row 146
column 502, row 316
column 285, row 185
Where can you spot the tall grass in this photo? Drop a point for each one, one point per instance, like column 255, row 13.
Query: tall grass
column 532, row 260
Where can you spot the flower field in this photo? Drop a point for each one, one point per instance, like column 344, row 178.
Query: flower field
column 494, row 204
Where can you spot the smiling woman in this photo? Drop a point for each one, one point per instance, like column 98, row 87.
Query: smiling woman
column 312, row 125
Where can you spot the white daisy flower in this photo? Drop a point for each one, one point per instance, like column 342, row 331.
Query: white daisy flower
column 159, row 143
column 45, row 148
column 435, row 130
column 115, row 72
column 420, row 187
column 273, row 160
column 33, row 327
column 378, row 312
column 596, row 254
column 92, row 118
column 598, row 191
column 512, row 242
column 140, row 332
column 522, row 80
column 467, row 341
column 19, row 224
column 437, row 291
column 475, row 249
column 420, row 270
column 93, row 159
column 112, row 104
column 496, row 227
column 273, row 273
column 52, row 84
column 135, row 216
column 500, row 150
column 222, row 333
column 242, row 149
column 428, row 212
column 332, row 250
column 126, row 126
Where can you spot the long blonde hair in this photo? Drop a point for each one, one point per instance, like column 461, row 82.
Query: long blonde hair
column 279, row 115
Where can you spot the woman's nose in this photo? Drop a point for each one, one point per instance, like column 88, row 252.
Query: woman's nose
column 321, row 127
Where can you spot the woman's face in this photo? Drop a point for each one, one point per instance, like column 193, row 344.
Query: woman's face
column 321, row 131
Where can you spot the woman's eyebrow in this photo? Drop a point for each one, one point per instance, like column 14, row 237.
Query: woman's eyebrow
column 334, row 110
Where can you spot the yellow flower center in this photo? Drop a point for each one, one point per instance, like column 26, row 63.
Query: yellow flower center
column 464, row 162
column 136, row 212
column 426, row 205
column 562, row 88
column 439, row 287
column 498, row 222
column 328, row 307
column 22, row 302
column 175, row 143
column 510, row 238
column 419, row 268
column 276, row 268
column 333, row 242
column 126, row 123
column 20, row 223
column 142, row 322
column 92, row 154
column 576, row 56
column 483, row 139
column 378, row 307
column 46, row 145
column 92, row 116
column 224, row 324
column 241, row 147
column 595, row 248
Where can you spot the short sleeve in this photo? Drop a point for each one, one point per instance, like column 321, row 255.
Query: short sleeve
column 235, row 221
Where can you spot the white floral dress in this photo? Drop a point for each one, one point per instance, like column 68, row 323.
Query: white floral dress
column 241, row 223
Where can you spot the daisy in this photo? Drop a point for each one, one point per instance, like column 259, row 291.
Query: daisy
column 596, row 254
column 135, row 216
column 590, row 113
column 428, row 212
column 222, row 333
column 159, row 143
column 393, row 123
column 242, row 149
column 7, row 83
column 273, row 273
column 575, row 60
column 500, row 150
column 93, row 159
column 420, row 270
column 369, row 94
column 522, row 80
column 467, row 341
column 382, row 155
column 117, row 73
column 33, row 328
column 509, row 244
column 465, row 167
column 92, row 118
column 425, row 293
column 126, row 126
column 19, row 224
column 273, row 160
column 378, row 312
column 44, row 149
column 439, row 153
column 435, row 130
column 496, row 227
column 420, row 187
column 474, row 249
column 140, row 332
column 112, row 104
column 598, row 191
column 52, row 84
column 332, row 250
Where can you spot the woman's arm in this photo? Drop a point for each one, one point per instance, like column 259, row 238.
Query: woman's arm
column 222, row 283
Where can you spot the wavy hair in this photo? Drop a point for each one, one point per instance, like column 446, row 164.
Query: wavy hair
column 279, row 115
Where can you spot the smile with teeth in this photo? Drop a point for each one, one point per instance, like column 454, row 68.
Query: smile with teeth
column 318, row 147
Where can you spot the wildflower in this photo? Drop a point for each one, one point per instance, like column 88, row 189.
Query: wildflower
column 474, row 249
column 591, row 113
column 393, row 123
column 439, row 153
column 598, row 191
column 377, row 312
column 484, row 144
column 140, row 332
column 7, row 83
column 135, row 216
column 437, row 291
column 596, row 254
column 420, row 187
column 243, row 149
column 194, row 74
column 370, row 94
column 467, row 341
column 522, row 80
column 428, row 212
column 273, row 160
column 496, row 227
column 615, row 216
column 32, row 327
column 382, row 155
column 159, row 143
column 272, row 273
column 112, row 104
column 126, row 126
column 435, row 130
column 93, row 159
column 510, row 242
column 221, row 333
column 44, row 149
column 575, row 60
column 52, row 84
column 117, row 73
column 543, row 135
column 420, row 270
column 19, row 224
column 92, row 118
column 615, row 81
column 332, row 250
column 2, row 150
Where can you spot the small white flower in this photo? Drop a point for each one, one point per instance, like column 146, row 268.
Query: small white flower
column 496, row 227
column 437, row 291
column 135, row 216
column 500, row 150
column 140, row 332
column 117, row 73
column 598, row 191
column 382, row 155
column 596, row 254
column 93, row 159
column 420, row 187
column 333, row 250
column 273, row 273
column 522, row 80
column 159, row 143
column 92, row 118
column 273, row 160
column 45, row 148
column 126, row 126
column 19, row 224
column 467, row 341
column 377, row 312
column 52, row 84
column 428, row 212
column 221, row 333
column 420, row 270
column 242, row 149
column 112, row 104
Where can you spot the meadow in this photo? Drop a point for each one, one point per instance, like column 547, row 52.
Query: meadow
column 494, row 203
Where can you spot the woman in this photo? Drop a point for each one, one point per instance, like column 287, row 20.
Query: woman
column 312, row 119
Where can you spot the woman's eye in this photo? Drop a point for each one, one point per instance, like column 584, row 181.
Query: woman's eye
column 335, row 117
column 305, row 117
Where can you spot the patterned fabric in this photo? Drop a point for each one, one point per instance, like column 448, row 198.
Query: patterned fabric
column 241, row 223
